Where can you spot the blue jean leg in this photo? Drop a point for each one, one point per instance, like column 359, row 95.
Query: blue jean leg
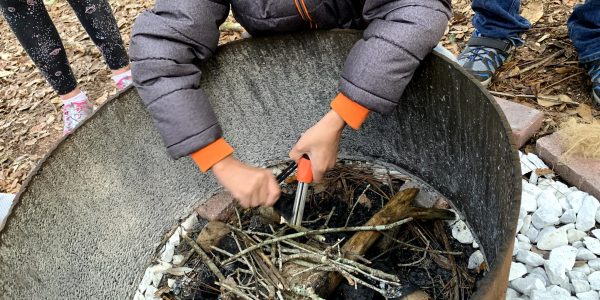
column 584, row 30
column 499, row 18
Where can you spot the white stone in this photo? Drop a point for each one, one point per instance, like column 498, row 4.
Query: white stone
column 577, row 275
column 576, row 199
column 529, row 196
column 475, row 245
column 171, row 282
column 580, row 286
column 564, row 255
column 539, row 273
column 175, row 238
column 585, row 269
column 532, row 234
column 544, row 217
column 517, row 270
column 569, row 216
column 547, row 200
column 527, row 285
column 190, row 222
column 596, row 233
column 561, row 189
column 536, row 161
column 523, row 238
column 529, row 258
column 167, row 254
column 556, row 271
column 475, row 260
column 552, row 239
column 585, row 254
column 461, row 232
column 178, row 259
column 590, row 295
column 511, row 294
column 594, row 280
column 552, row 292
column 598, row 216
column 526, row 165
column 574, row 235
column 526, row 224
column 138, row 296
column 519, row 224
column 592, row 244
column 515, row 247
column 149, row 294
column 578, row 244
column 594, row 264
column 524, row 246
column 586, row 217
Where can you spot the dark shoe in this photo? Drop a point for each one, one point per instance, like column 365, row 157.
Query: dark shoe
column 483, row 56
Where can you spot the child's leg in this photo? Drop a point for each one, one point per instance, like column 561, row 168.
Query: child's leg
column 32, row 25
column 584, row 30
column 499, row 18
column 97, row 18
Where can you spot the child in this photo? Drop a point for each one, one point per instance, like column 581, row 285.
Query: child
column 168, row 40
column 498, row 27
column 32, row 25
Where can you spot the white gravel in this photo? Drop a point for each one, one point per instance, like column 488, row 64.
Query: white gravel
column 557, row 245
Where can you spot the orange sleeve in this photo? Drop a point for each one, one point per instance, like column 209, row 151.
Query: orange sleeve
column 213, row 153
column 353, row 113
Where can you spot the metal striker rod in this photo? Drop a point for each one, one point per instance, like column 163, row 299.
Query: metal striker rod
column 298, row 210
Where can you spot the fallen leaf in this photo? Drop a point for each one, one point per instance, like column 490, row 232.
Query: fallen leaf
column 552, row 100
column 533, row 10
column 544, row 171
column 585, row 112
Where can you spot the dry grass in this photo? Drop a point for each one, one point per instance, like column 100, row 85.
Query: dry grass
column 580, row 139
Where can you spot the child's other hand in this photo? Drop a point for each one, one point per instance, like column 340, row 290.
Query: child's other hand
column 249, row 185
column 320, row 143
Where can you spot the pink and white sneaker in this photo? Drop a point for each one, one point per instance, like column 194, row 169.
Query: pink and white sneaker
column 122, row 81
column 75, row 111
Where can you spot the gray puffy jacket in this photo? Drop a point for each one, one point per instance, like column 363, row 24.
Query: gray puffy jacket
column 169, row 40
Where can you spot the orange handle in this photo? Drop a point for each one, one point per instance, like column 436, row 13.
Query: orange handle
column 305, row 174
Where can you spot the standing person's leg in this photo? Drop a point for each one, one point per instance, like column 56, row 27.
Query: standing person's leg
column 584, row 30
column 34, row 29
column 498, row 26
column 97, row 18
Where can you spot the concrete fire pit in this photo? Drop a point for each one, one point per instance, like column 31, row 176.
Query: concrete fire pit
column 92, row 213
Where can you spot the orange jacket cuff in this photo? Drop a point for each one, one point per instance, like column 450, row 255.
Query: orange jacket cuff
column 353, row 113
column 213, row 153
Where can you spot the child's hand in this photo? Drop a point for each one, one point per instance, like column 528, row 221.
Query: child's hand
column 249, row 185
column 320, row 143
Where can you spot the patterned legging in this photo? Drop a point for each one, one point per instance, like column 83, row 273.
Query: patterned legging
column 32, row 25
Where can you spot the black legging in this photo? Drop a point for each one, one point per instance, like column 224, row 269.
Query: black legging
column 33, row 27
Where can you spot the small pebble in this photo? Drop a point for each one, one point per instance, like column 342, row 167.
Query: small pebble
column 592, row 244
column 585, row 269
column 569, row 216
column 552, row 239
column 544, row 217
column 594, row 264
column 461, row 232
column 517, row 270
column 574, row 235
column 586, row 216
column 564, row 255
column 527, row 285
column 475, row 260
column 575, row 199
column 580, row 286
column 594, row 280
column 556, row 271
column 585, row 254
column 532, row 234
column 526, row 224
column 574, row 275
column 529, row 258
column 591, row 295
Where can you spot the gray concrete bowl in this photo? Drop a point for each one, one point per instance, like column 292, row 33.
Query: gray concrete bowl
column 88, row 219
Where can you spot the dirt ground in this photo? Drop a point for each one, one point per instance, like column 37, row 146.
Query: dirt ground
column 544, row 74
